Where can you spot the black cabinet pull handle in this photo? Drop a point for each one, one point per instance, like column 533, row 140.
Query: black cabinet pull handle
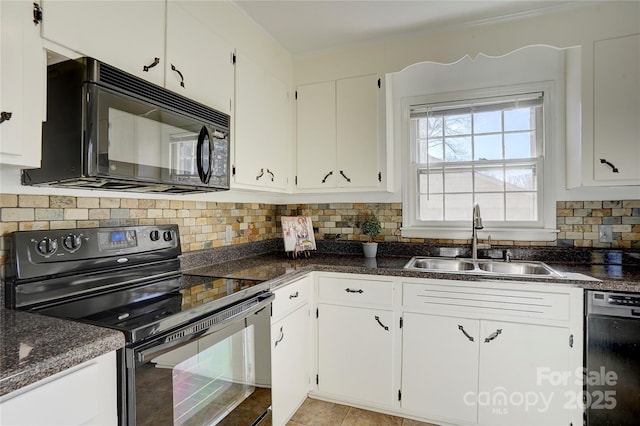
column 614, row 169
column 348, row 290
column 155, row 62
column 381, row 324
column 260, row 175
column 461, row 328
column 345, row 176
column 281, row 337
column 379, row 176
column 173, row 68
column 493, row 335
column 5, row 116
column 294, row 295
column 271, row 173
column 37, row 13
column 324, row 180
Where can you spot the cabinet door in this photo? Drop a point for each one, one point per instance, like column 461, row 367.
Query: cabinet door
column 289, row 362
column 520, row 365
column 357, row 132
column 617, row 110
column 355, row 353
column 440, row 367
column 125, row 34
column 22, row 85
column 316, row 136
column 262, row 122
column 199, row 62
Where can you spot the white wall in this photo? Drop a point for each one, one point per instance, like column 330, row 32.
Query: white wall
column 573, row 25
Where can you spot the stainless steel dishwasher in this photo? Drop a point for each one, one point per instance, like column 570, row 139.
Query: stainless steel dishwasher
column 612, row 373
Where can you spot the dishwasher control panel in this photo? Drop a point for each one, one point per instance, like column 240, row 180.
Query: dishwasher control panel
column 614, row 304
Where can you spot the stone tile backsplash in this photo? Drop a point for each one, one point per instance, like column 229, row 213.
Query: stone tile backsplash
column 202, row 224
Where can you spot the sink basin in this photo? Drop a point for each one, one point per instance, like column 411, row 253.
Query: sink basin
column 436, row 264
column 516, row 268
column 481, row 267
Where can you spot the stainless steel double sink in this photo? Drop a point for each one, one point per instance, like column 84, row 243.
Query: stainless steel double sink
column 482, row 267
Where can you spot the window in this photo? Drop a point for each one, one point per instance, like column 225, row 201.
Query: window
column 487, row 150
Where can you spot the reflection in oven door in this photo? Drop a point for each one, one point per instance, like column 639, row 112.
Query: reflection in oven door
column 219, row 376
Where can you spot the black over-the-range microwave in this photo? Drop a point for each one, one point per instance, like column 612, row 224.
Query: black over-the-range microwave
column 107, row 129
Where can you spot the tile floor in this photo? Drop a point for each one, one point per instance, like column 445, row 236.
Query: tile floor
column 320, row 413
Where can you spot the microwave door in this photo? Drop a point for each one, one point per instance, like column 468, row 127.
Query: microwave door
column 142, row 142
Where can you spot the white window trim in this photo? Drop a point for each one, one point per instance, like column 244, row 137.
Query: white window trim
column 552, row 107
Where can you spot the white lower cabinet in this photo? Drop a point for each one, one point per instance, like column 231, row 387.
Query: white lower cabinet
column 492, row 354
column 467, row 371
column 355, row 353
column 83, row 395
column 440, row 366
column 290, row 349
column 289, row 364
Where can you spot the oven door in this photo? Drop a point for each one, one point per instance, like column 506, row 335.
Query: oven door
column 214, row 371
column 130, row 139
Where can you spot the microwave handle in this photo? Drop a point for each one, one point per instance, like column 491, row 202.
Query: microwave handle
column 204, row 174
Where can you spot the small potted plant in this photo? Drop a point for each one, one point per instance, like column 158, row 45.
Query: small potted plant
column 371, row 228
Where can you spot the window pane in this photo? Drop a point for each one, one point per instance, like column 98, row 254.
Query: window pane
column 520, row 145
column 431, row 207
column 489, row 179
column 457, row 149
column 487, row 122
column 430, row 183
column 434, row 127
column 488, row 147
column 435, row 151
column 458, row 181
column 491, row 206
column 519, row 119
column 520, row 178
column 457, row 125
column 458, row 206
column 522, row 206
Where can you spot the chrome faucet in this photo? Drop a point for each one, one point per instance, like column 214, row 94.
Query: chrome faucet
column 476, row 224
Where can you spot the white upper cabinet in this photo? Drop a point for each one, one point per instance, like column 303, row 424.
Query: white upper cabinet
column 338, row 136
column 198, row 62
column 128, row 35
column 616, row 102
column 603, row 105
column 262, row 128
column 316, row 135
column 22, row 85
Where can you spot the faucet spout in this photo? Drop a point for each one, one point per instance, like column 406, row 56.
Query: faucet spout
column 476, row 224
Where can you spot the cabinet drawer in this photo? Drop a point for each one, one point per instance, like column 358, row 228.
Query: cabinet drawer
column 478, row 299
column 290, row 296
column 355, row 291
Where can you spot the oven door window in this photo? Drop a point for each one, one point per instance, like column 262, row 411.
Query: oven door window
column 136, row 140
column 200, row 382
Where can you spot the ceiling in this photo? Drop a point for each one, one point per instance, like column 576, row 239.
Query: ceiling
column 303, row 26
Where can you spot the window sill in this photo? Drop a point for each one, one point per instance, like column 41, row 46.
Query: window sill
column 497, row 234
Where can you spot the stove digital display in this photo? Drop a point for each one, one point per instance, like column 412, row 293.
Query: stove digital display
column 114, row 240
column 117, row 237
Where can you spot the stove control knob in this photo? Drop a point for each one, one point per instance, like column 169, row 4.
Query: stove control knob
column 166, row 235
column 72, row 242
column 155, row 235
column 47, row 246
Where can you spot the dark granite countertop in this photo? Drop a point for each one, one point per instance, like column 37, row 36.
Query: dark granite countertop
column 278, row 268
column 34, row 347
